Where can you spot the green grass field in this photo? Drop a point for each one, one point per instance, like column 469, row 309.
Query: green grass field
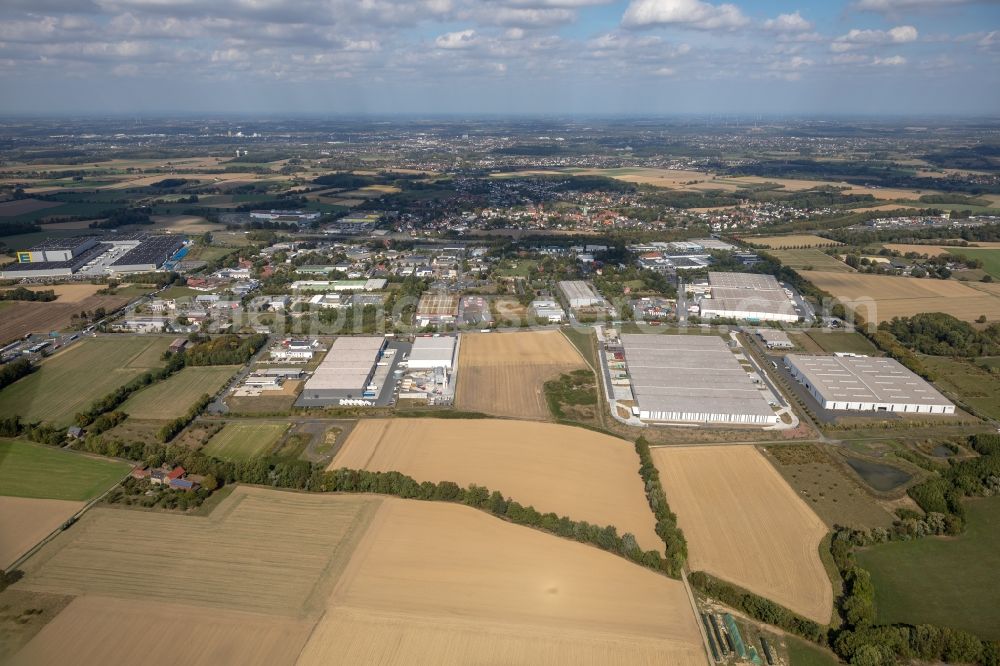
column 174, row 396
column 33, row 470
column 240, row 441
column 802, row 653
column 71, row 380
column 976, row 387
column 942, row 581
column 841, row 341
column 811, row 259
column 989, row 257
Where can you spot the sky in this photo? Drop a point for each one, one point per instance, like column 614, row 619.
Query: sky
column 529, row 57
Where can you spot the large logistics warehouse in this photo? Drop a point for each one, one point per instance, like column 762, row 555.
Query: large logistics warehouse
column 579, row 294
column 749, row 296
column 692, row 378
column 347, row 369
column 865, row 383
column 433, row 352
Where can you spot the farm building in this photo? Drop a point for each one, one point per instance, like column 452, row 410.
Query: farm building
column 692, row 378
column 347, row 370
column 433, row 352
column 579, row 294
column 774, row 339
column 747, row 296
column 865, row 383
column 437, row 309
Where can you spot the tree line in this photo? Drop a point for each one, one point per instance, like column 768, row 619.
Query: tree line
column 666, row 521
column 23, row 294
column 939, row 334
column 11, row 372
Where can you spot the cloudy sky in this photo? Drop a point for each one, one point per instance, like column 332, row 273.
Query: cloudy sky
column 641, row 57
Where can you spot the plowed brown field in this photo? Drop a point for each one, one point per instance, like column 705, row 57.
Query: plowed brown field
column 503, row 373
column 573, row 472
column 746, row 525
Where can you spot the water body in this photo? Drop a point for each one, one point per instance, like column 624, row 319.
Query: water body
column 879, row 476
column 942, row 451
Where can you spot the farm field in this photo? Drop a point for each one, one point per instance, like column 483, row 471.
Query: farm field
column 577, row 473
column 365, row 579
column 426, row 586
column 185, row 224
column 929, row 250
column 24, row 521
column 746, row 525
column 842, row 341
column 882, row 297
column 22, row 206
column 811, row 259
column 71, row 380
column 791, row 241
column 24, row 317
column 93, row 631
column 173, row 397
column 969, row 383
column 309, row 539
column 503, row 373
column 242, row 441
column 989, row 257
column 68, row 293
column 941, row 580
column 33, row 470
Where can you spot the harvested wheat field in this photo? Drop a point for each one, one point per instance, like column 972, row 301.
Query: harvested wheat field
column 744, row 524
column 188, row 224
column 25, row 521
column 573, row 472
column 93, row 631
column 503, row 373
column 260, row 551
column 882, row 297
column 69, row 293
column 435, row 583
column 21, row 317
column 792, row 240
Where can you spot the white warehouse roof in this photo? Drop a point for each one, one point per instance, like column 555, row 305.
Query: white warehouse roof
column 692, row 378
column 433, row 352
column 348, row 365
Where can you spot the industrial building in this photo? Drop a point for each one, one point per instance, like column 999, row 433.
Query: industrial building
column 749, row 296
column 347, row 370
column 374, row 284
column 693, row 379
column 148, row 255
column 296, row 216
column 436, row 310
column 774, row 338
column 865, row 383
column 579, row 294
column 549, row 310
column 433, row 352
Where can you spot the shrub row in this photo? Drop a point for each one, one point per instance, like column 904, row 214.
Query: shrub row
column 666, row 520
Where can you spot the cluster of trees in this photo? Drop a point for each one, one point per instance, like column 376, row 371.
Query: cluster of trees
column 757, row 607
column 940, row 334
column 172, row 428
column 229, row 349
column 145, row 494
column 400, row 485
column 13, row 228
column 574, row 388
column 122, row 217
column 11, row 372
column 944, row 235
column 963, row 478
column 666, row 521
column 24, row 294
column 346, row 180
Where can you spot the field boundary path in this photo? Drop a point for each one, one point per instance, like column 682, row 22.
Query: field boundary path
column 697, row 616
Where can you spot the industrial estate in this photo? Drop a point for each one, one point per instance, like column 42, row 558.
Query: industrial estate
column 381, row 394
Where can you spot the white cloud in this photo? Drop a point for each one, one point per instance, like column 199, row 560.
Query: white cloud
column 689, row 13
column 902, row 34
column 891, row 61
column 899, row 6
column 664, row 71
column 462, row 39
column 788, row 23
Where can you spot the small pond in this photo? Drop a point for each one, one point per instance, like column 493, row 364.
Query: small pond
column 942, row 451
column 879, row 476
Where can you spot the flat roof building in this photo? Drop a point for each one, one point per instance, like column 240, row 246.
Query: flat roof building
column 865, row 383
column 750, row 296
column 692, row 378
column 347, row 369
column 774, row 338
column 436, row 309
column 579, row 294
column 149, row 255
column 433, row 352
